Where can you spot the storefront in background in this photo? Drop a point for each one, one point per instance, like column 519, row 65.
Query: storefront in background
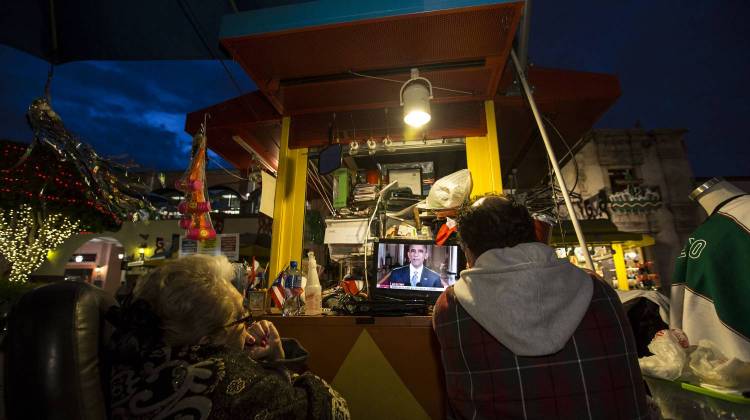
column 620, row 258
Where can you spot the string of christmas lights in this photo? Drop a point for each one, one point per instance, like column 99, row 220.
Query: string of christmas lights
column 26, row 235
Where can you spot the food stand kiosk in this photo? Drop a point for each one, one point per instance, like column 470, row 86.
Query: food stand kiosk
column 327, row 64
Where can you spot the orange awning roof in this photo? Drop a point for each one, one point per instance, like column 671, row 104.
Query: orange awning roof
column 305, row 73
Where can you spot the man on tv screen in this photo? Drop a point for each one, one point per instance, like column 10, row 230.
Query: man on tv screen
column 415, row 274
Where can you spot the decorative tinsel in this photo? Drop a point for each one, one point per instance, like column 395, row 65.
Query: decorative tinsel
column 54, row 188
column 59, row 173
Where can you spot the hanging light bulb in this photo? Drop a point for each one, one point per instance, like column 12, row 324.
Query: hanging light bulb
column 353, row 147
column 388, row 144
column 371, row 146
column 415, row 98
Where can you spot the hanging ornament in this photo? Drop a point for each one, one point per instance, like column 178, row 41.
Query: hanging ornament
column 195, row 208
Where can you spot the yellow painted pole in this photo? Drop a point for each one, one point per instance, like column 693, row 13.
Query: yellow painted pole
column 620, row 267
column 483, row 157
column 289, row 204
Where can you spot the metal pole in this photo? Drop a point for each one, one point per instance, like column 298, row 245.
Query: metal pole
column 523, row 35
column 553, row 159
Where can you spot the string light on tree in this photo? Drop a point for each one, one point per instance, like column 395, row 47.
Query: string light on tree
column 27, row 234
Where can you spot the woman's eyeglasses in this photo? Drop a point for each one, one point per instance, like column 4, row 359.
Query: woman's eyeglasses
column 247, row 320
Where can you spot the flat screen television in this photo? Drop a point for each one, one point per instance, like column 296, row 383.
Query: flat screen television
column 409, row 269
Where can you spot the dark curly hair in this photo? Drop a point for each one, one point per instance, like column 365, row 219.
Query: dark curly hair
column 494, row 221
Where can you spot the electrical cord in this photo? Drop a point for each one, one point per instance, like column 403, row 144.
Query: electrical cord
column 404, row 81
column 216, row 162
column 188, row 12
column 544, row 198
column 366, row 286
column 570, row 151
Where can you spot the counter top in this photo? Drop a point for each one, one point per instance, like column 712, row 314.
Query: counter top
column 340, row 320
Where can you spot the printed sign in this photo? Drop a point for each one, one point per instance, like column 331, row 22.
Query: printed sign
column 227, row 244
column 267, row 193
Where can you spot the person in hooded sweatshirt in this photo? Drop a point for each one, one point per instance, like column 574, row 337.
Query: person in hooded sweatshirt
column 526, row 335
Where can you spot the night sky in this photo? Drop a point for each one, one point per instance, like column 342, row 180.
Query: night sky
column 680, row 65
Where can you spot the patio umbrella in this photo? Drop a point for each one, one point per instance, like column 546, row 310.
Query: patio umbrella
column 61, row 31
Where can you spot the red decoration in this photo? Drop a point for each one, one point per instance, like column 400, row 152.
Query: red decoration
column 196, row 208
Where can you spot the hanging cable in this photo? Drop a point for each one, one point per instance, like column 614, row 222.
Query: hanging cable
column 320, row 190
column 545, row 198
column 230, row 172
column 318, row 184
column 555, row 200
column 188, row 12
column 570, row 151
column 322, row 178
column 401, row 82
column 53, row 32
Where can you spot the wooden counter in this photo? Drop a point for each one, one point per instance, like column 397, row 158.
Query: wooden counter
column 386, row 367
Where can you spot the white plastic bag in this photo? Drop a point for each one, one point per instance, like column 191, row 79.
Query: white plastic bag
column 710, row 365
column 449, row 191
column 669, row 349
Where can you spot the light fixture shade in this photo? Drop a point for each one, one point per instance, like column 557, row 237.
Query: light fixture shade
column 416, row 98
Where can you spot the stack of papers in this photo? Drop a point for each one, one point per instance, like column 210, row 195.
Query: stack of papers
column 365, row 192
column 338, row 252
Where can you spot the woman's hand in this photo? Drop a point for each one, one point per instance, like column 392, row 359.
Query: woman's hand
column 263, row 342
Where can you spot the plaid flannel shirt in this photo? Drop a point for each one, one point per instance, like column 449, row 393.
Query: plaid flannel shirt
column 596, row 375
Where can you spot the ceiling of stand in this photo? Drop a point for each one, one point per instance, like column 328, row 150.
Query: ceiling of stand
column 302, row 58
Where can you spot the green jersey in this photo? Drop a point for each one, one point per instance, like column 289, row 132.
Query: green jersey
column 710, row 296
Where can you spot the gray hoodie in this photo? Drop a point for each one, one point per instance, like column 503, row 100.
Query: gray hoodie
column 527, row 298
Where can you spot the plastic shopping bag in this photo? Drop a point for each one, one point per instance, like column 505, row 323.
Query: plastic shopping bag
column 449, row 191
column 710, row 365
column 670, row 356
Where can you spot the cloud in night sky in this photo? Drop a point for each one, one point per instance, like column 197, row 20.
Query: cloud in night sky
column 121, row 108
column 680, row 66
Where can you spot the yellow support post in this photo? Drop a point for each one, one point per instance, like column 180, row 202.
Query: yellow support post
column 289, row 204
column 620, row 267
column 483, row 157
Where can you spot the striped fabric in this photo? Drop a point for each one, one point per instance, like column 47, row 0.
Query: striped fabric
column 595, row 376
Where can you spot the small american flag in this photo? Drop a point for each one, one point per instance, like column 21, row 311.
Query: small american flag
column 277, row 290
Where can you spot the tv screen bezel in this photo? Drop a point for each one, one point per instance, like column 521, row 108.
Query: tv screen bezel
column 429, row 296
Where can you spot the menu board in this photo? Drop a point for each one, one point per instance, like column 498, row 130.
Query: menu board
column 227, row 244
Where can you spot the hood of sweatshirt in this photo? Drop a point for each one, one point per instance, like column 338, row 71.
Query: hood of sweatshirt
column 527, row 298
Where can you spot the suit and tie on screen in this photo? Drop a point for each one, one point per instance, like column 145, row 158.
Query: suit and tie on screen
column 415, row 274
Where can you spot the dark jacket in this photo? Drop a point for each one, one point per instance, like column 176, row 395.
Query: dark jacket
column 595, row 375
column 215, row 382
column 401, row 275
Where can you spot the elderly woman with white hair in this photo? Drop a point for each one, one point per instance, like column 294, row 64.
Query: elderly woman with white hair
column 186, row 348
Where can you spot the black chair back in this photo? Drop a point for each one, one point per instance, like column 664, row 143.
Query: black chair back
column 55, row 367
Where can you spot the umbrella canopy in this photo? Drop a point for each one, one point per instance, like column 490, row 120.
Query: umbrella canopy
column 72, row 30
